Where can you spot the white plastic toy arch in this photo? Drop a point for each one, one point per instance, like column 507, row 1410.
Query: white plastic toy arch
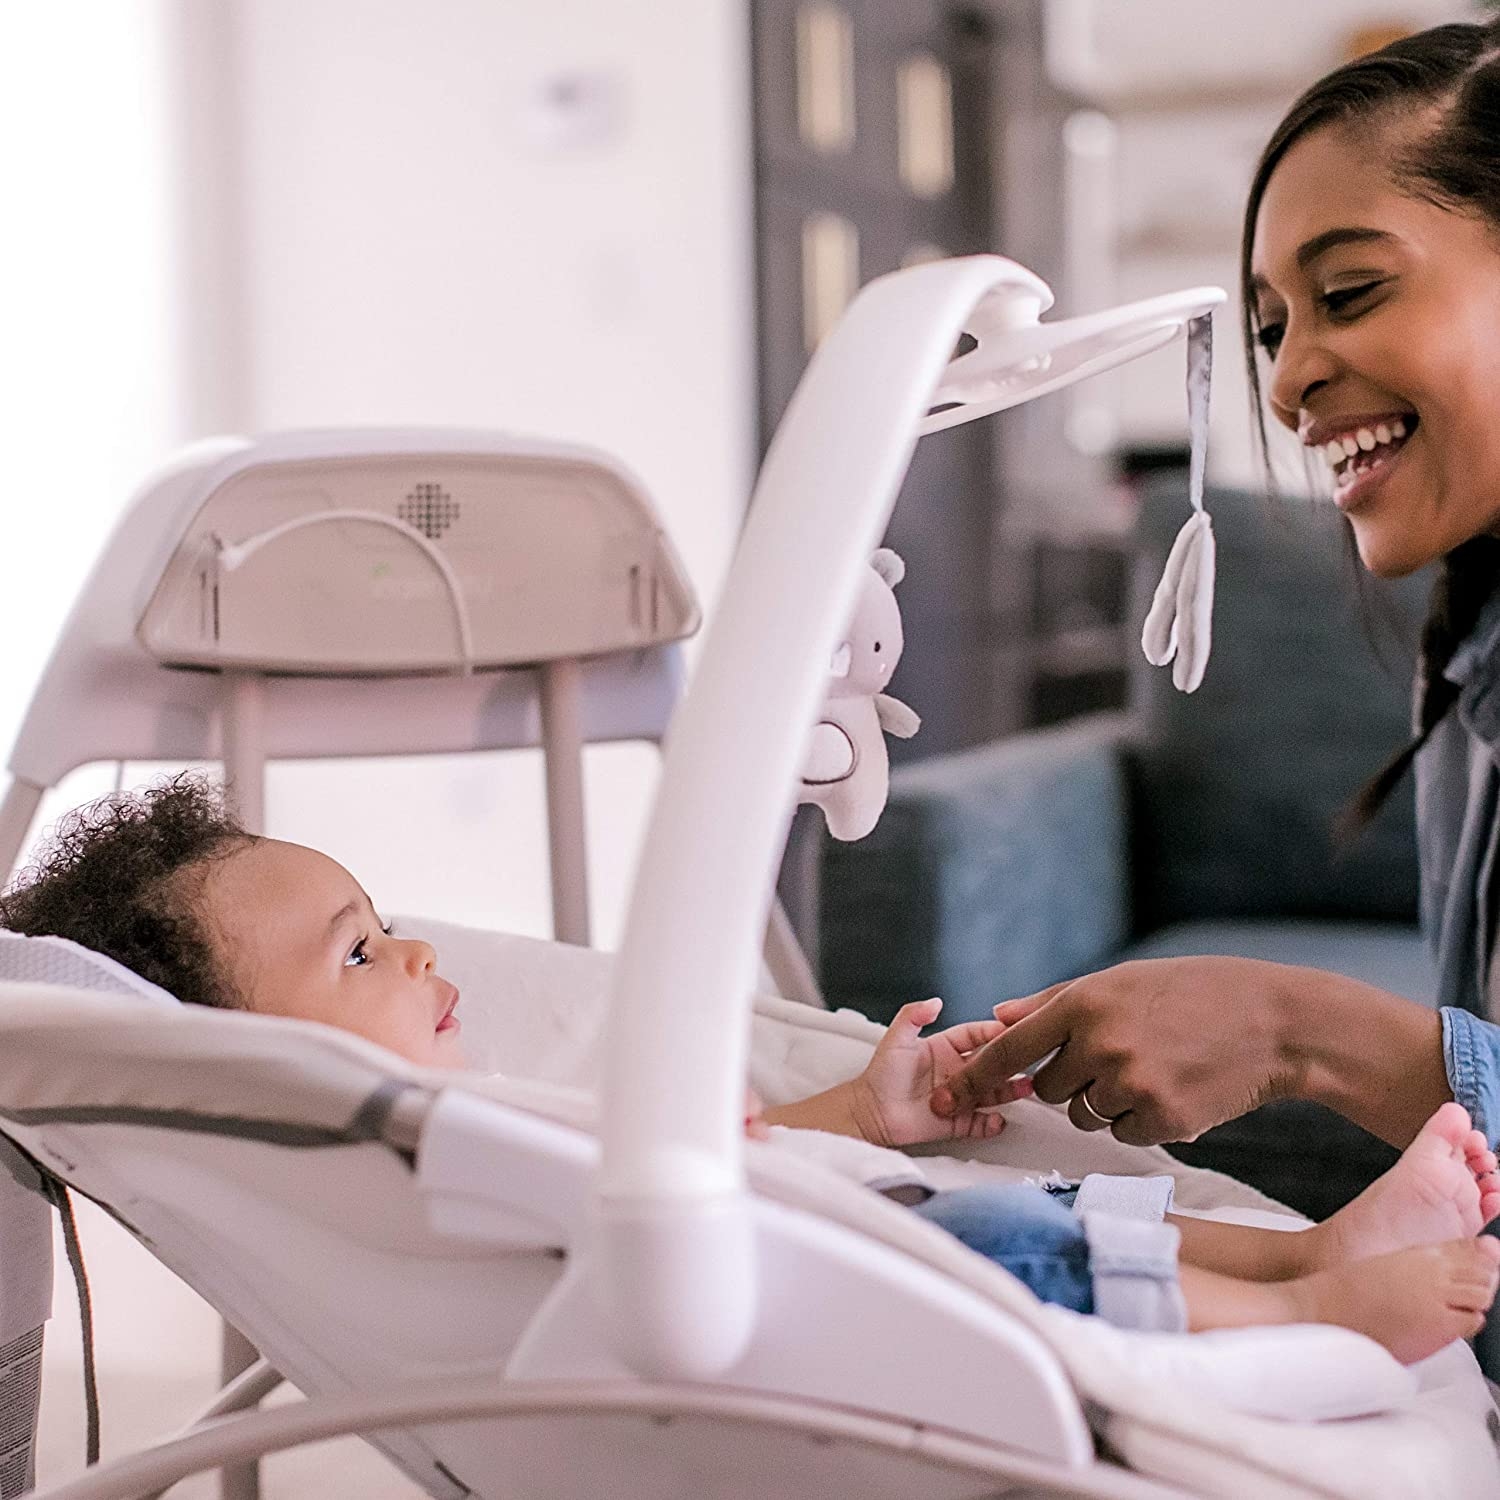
column 674, row 1268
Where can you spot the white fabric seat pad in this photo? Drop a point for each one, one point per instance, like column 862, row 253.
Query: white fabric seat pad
column 231, row 1064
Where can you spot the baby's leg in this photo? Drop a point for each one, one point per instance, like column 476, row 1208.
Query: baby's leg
column 1413, row 1301
column 1125, row 1269
column 1444, row 1187
column 1024, row 1229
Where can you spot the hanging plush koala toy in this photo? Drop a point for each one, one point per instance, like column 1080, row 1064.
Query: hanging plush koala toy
column 847, row 771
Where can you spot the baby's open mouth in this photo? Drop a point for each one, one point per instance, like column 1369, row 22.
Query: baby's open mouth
column 449, row 1021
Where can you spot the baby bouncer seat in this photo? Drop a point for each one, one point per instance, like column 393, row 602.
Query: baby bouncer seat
column 577, row 1278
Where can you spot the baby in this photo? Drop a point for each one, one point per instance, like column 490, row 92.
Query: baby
column 168, row 884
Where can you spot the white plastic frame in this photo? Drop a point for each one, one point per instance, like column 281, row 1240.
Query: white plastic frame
column 675, row 1264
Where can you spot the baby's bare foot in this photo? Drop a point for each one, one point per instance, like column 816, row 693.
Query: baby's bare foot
column 1444, row 1187
column 1414, row 1302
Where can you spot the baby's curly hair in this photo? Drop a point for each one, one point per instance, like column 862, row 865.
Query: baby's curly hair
column 117, row 876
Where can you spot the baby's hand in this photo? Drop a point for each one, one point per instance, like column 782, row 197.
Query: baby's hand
column 755, row 1117
column 892, row 1094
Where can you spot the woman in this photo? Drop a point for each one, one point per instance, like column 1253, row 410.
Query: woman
column 1371, row 271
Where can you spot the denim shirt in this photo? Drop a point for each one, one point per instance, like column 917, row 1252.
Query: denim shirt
column 1458, row 821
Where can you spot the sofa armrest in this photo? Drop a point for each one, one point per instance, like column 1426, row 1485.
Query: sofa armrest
column 993, row 872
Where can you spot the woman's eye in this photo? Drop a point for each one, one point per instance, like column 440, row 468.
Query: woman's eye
column 358, row 957
column 1269, row 338
column 1345, row 297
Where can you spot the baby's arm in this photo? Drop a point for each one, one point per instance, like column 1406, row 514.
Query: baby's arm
column 834, row 1110
column 887, row 1104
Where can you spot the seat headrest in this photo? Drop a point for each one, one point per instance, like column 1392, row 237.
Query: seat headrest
column 55, row 960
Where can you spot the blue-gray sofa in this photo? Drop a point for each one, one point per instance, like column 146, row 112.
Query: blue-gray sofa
column 1190, row 824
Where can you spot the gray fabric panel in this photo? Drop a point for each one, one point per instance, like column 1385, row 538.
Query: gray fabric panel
column 25, row 1247
column 1236, row 784
column 371, row 1122
column 55, row 960
column 1391, row 955
column 991, row 873
column 20, row 1402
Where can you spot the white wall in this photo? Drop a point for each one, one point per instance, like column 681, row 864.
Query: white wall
column 1190, row 121
column 1120, row 53
column 259, row 213
column 88, row 385
column 429, row 236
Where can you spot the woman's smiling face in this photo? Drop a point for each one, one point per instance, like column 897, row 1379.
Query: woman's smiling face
column 1381, row 314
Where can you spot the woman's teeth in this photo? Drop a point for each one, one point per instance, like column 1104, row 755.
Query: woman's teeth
column 1355, row 452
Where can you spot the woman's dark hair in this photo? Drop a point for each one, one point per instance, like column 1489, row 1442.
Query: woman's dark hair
column 1444, row 84
column 117, row 876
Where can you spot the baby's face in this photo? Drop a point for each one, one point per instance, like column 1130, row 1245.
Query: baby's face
column 300, row 938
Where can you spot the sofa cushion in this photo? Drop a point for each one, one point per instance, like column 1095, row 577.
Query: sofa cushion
column 1391, row 955
column 990, row 873
column 1235, row 786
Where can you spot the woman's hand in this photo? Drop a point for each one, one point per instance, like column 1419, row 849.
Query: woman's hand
column 891, row 1101
column 1157, row 1050
column 1162, row 1049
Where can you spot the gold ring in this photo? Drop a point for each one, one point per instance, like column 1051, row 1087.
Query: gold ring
column 1083, row 1098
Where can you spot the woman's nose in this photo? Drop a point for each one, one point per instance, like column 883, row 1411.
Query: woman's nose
column 1302, row 366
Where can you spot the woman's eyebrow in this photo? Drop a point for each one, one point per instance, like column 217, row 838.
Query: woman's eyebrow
column 1321, row 244
column 1330, row 239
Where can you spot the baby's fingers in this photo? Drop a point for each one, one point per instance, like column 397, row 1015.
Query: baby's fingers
column 970, row 1036
column 913, row 1016
column 755, row 1124
column 975, row 1125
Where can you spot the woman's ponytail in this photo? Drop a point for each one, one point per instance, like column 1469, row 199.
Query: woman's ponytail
column 1467, row 577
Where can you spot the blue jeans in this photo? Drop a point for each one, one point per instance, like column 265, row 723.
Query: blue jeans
column 1030, row 1232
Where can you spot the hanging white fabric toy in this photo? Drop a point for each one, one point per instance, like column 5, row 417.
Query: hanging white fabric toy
column 1180, row 622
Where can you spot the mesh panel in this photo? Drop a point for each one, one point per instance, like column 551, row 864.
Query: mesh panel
column 20, row 1399
column 53, row 960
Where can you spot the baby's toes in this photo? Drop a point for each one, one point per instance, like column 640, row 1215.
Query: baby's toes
column 1477, row 1154
column 1472, row 1276
column 1489, row 1195
column 1450, row 1125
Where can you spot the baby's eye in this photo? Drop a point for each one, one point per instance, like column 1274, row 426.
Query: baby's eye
column 358, row 957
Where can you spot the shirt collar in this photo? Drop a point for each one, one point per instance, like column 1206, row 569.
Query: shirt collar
column 1475, row 669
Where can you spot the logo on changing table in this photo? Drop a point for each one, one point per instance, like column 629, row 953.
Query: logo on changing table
column 390, row 588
